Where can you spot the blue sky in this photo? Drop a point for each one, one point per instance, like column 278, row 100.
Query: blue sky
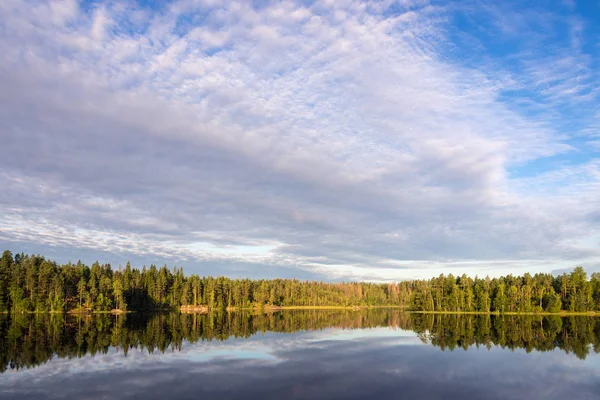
column 374, row 140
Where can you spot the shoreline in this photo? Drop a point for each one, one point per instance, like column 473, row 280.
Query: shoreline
column 543, row 313
column 277, row 308
column 74, row 312
column 205, row 310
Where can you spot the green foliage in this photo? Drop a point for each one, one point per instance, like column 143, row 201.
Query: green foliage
column 552, row 303
column 527, row 294
column 6, row 262
column 40, row 285
column 31, row 283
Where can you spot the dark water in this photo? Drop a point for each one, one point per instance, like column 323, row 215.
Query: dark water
column 299, row 355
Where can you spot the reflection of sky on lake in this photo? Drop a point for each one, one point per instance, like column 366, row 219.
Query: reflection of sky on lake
column 328, row 364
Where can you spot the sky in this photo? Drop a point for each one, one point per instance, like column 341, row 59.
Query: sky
column 329, row 140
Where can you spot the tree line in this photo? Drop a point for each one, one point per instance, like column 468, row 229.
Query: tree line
column 31, row 283
column 542, row 292
column 30, row 340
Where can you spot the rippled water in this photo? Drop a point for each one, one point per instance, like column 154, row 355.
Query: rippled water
column 376, row 353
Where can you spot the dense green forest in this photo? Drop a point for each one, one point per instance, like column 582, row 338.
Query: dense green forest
column 31, row 283
column 30, row 340
column 573, row 292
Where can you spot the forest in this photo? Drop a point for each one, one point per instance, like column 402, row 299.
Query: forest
column 32, row 283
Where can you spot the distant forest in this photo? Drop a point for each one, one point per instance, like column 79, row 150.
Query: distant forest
column 31, row 283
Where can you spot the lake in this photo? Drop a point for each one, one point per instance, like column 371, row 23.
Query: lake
column 320, row 354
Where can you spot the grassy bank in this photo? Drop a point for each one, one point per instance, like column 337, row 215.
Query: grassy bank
column 70, row 312
column 277, row 308
column 291, row 308
column 561, row 313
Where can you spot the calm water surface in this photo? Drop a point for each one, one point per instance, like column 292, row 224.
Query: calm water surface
column 298, row 355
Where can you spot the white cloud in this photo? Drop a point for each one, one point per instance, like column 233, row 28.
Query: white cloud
column 100, row 23
column 333, row 138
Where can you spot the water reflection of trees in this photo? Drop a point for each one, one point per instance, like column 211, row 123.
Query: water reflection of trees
column 577, row 334
column 31, row 340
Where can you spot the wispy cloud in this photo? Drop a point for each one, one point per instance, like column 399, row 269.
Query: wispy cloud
column 342, row 138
